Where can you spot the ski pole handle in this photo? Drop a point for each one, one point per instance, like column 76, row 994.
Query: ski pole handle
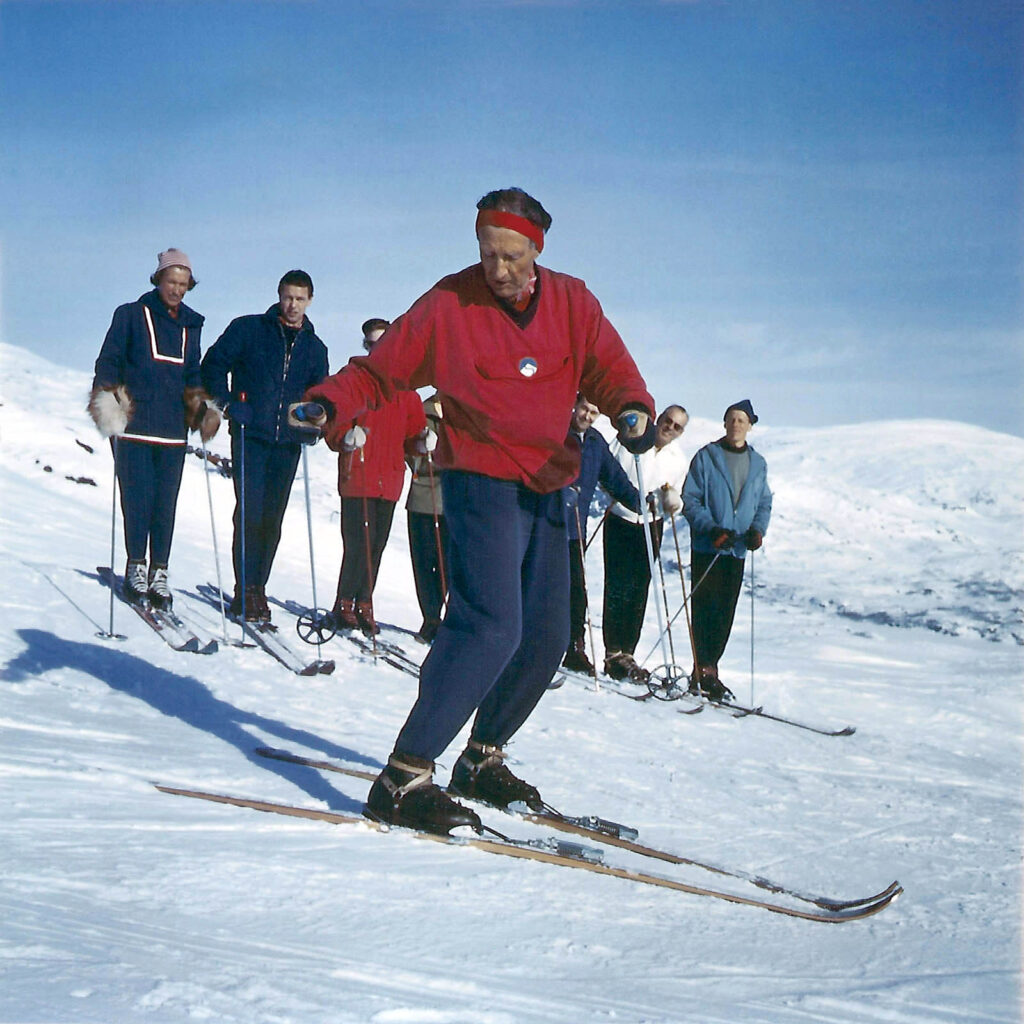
column 306, row 412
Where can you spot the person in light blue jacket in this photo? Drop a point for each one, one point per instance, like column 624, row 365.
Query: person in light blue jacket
column 727, row 502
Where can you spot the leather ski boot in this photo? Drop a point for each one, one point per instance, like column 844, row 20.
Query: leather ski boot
column 405, row 794
column 705, row 681
column 364, row 616
column 481, row 774
column 576, row 659
column 344, row 614
column 622, row 665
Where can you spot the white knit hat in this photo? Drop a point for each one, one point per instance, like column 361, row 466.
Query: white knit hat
column 172, row 258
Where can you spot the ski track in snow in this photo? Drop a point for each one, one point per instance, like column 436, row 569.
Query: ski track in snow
column 889, row 596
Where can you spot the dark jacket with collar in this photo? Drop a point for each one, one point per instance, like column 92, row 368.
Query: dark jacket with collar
column 598, row 466
column 155, row 356
column 254, row 351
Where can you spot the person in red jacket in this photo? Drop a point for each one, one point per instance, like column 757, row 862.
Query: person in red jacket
column 371, row 472
column 507, row 344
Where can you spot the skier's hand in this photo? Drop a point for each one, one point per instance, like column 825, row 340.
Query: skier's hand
column 635, row 431
column 426, row 442
column 306, row 415
column 355, row 438
column 209, row 422
column 753, row 538
column 240, row 413
column 722, row 539
column 671, row 503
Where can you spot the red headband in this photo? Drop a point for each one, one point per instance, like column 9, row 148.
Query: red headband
column 501, row 219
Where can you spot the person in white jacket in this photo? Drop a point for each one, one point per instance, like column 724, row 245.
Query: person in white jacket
column 627, row 574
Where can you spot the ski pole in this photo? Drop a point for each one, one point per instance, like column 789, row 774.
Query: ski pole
column 597, row 529
column 648, row 538
column 586, row 598
column 309, row 530
column 682, row 607
column 682, row 583
column 751, row 628
column 437, row 533
column 664, row 596
column 113, row 517
column 241, row 514
column 369, row 557
column 216, row 551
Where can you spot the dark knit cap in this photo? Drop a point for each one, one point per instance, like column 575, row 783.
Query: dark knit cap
column 744, row 407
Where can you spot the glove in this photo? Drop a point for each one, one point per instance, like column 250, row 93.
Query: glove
column 355, row 438
column 752, row 538
column 636, row 431
column 426, row 442
column 722, row 539
column 306, row 415
column 210, row 422
column 671, row 503
column 240, row 413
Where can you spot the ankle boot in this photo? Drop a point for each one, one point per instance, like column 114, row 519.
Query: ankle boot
column 405, row 794
column 136, row 583
column 364, row 615
column 481, row 774
column 344, row 614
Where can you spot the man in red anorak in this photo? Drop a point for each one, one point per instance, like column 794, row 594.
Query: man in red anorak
column 508, row 345
column 371, row 474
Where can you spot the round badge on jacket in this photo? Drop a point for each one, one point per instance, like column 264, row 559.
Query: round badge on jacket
column 528, row 366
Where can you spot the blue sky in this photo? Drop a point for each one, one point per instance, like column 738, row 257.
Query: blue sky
column 816, row 205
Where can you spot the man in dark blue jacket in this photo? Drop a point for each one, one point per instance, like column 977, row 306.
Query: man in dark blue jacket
column 272, row 358
column 597, row 466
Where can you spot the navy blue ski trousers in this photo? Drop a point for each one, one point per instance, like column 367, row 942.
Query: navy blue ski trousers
column 507, row 624
column 150, row 477
column 269, row 472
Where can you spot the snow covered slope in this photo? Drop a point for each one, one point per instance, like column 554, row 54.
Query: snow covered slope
column 889, row 596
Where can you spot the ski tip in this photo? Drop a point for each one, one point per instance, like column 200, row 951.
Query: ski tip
column 325, row 668
column 210, row 648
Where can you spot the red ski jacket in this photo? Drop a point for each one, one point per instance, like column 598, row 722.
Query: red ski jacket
column 377, row 470
column 506, row 384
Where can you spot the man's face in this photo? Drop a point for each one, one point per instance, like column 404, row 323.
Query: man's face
column 737, row 426
column 669, row 426
column 507, row 258
column 173, row 286
column 294, row 298
column 583, row 415
column 372, row 337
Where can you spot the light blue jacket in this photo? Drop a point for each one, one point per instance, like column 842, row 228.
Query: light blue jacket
column 709, row 503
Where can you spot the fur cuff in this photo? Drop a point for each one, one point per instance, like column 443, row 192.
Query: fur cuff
column 201, row 413
column 111, row 408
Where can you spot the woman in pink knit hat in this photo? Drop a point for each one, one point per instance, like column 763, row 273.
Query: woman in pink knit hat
column 146, row 395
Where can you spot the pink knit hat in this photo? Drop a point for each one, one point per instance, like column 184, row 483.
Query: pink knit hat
column 172, row 258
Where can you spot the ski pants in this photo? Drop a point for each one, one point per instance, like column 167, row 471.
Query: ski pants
column 269, row 470
column 627, row 580
column 429, row 562
column 149, row 476
column 365, row 528
column 714, row 603
column 507, row 625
